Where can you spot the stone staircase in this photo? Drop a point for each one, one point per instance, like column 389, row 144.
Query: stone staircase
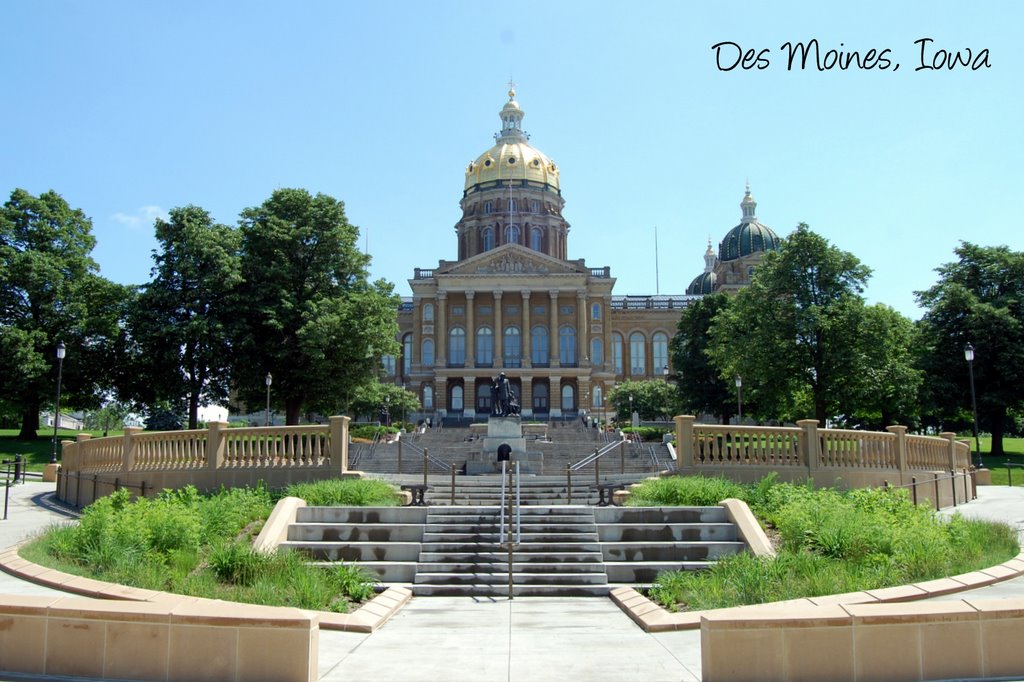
column 558, row 553
column 564, row 550
column 485, row 489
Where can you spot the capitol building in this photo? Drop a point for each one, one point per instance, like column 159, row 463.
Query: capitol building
column 513, row 301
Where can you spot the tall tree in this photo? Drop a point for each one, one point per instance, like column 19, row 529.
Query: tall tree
column 180, row 320
column 890, row 380
column 650, row 399
column 793, row 333
column 305, row 310
column 50, row 292
column 699, row 380
column 979, row 299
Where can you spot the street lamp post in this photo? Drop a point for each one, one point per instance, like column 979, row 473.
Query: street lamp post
column 664, row 372
column 269, row 380
column 387, row 410
column 739, row 399
column 61, row 352
column 969, row 356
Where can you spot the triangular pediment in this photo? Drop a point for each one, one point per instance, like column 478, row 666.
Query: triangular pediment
column 511, row 259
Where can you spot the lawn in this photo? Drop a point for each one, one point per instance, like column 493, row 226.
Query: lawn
column 1014, row 448
column 37, row 453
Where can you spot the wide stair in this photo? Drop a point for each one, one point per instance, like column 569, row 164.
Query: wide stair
column 558, row 553
column 563, row 550
column 485, row 490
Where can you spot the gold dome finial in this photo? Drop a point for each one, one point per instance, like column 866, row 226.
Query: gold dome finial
column 511, row 89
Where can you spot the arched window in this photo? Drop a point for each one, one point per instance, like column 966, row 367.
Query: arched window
column 512, row 234
column 456, row 347
column 427, row 354
column 513, row 347
column 568, row 398
column 536, row 239
column 539, row 347
column 456, row 398
column 488, row 238
column 598, row 397
column 659, row 352
column 488, row 207
column 617, row 352
column 540, row 397
column 406, row 354
column 596, row 352
column 484, row 347
column 512, row 206
column 637, row 354
column 567, row 346
column 428, row 397
column 595, row 311
column 388, row 365
column 428, row 312
column 534, row 206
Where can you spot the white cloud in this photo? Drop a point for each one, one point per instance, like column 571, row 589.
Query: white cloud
column 142, row 217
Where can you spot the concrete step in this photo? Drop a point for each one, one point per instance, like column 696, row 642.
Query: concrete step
column 356, row 551
column 518, row 568
column 362, row 515
column 644, row 573
column 670, row 551
column 525, row 547
column 663, row 532
column 519, row 579
column 501, row 591
column 646, row 515
column 518, row 558
column 384, row 571
column 351, row 532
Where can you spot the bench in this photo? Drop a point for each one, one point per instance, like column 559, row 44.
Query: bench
column 418, row 492
column 606, row 492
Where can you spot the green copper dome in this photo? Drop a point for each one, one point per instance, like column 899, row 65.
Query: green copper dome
column 749, row 236
column 702, row 284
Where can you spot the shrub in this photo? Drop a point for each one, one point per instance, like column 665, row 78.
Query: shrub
column 646, row 432
column 684, row 491
column 345, row 492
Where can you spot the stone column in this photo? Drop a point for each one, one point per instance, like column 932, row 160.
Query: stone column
column 951, row 437
column 527, row 335
column 810, row 445
column 583, row 333
column 128, row 447
column 470, row 331
column 339, row 443
column 468, row 396
column 417, row 334
column 215, row 445
column 606, row 328
column 499, row 332
column 684, row 441
column 901, row 445
column 441, row 396
column 555, row 396
column 553, row 331
column 526, row 399
column 441, row 330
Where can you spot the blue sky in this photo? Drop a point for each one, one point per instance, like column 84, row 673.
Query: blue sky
column 130, row 108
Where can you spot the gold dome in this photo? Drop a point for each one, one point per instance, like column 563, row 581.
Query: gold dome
column 512, row 160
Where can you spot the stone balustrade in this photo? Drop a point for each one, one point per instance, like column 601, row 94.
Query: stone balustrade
column 802, row 452
column 206, row 458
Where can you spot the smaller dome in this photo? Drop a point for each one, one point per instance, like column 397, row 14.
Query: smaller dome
column 702, row 284
column 746, row 239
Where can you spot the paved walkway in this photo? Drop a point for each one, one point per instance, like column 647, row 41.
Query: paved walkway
column 528, row 639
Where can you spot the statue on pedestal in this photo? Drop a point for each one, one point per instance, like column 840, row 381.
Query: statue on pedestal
column 503, row 397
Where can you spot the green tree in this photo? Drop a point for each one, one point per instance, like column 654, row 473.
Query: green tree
column 793, row 334
column 50, row 292
column 979, row 299
column 699, row 380
column 179, row 324
column 305, row 310
column 651, row 399
column 371, row 399
column 890, row 381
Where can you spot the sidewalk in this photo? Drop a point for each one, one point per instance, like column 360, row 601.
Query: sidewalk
column 528, row 639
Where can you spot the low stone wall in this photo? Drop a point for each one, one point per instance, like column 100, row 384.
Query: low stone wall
column 148, row 462
column 923, row 641
column 175, row 640
column 936, row 469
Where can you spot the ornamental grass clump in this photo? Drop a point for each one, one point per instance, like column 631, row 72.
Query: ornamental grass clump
column 198, row 545
column 831, row 541
column 345, row 492
column 678, row 491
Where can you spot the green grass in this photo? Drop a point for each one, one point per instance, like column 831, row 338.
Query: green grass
column 37, row 453
column 1014, row 449
column 197, row 545
column 828, row 542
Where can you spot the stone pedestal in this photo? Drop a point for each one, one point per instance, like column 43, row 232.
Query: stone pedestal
column 504, row 431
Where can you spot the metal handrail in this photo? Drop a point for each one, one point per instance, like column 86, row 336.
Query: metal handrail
column 589, row 459
column 437, row 462
column 952, row 477
column 1009, row 472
